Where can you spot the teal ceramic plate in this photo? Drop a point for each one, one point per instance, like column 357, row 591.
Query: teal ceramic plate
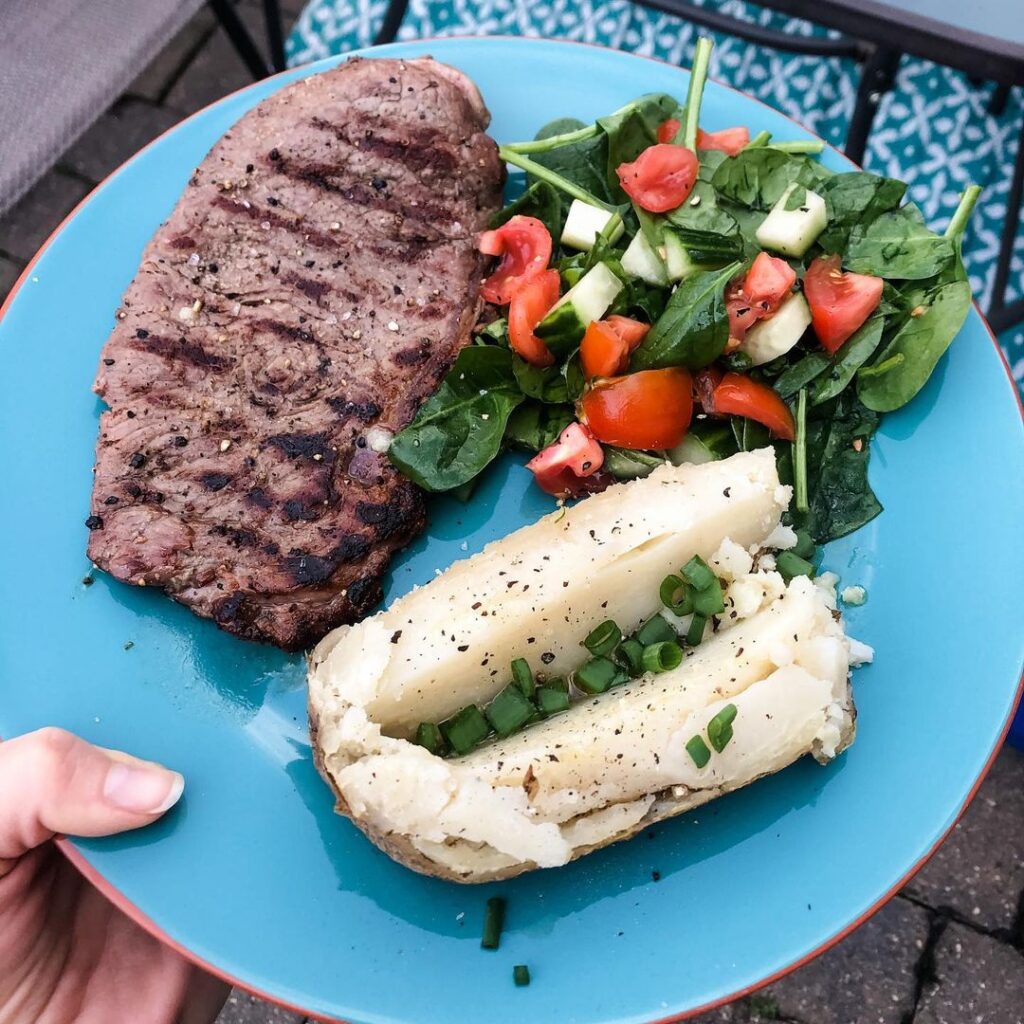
column 255, row 876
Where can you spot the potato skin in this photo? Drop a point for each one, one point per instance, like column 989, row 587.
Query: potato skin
column 399, row 848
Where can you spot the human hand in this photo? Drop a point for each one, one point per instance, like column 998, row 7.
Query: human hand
column 68, row 955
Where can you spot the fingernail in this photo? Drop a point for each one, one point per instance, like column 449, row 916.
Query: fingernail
column 142, row 790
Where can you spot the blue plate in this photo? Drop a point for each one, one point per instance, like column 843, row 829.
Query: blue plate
column 253, row 873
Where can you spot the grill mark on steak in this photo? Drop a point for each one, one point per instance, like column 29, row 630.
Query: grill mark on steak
column 257, row 343
column 324, row 177
column 421, row 147
column 181, row 348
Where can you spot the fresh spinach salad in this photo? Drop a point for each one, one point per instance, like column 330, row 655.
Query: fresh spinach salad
column 669, row 293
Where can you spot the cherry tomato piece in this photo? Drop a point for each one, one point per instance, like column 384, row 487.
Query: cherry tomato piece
column 603, row 353
column 840, row 301
column 648, row 410
column 660, row 178
column 608, row 343
column 704, row 385
column 737, row 395
column 667, row 130
column 529, row 306
column 728, row 140
column 631, row 331
column 524, row 245
column 562, row 467
column 758, row 294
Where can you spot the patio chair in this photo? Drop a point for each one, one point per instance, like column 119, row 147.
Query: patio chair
column 63, row 62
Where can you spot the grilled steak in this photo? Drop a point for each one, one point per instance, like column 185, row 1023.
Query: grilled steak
column 308, row 292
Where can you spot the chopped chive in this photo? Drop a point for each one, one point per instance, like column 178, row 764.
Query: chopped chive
column 596, row 675
column 760, row 139
column 551, row 701
column 662, row 657
column 521, row 975
column 698, row 750
column 509, row 711
column 804, row 546
column 494, row 919
column 698, row 574
column 655, row 630
column 621, row 676
column 429, row 736
column 790, row 565
column 631, row 653
column 556, row 683
column 466, row 729
column 710, row 601
column 604, row 638
column 720, row 727
column 695, row 633
column 522, row 676
column 676, row 595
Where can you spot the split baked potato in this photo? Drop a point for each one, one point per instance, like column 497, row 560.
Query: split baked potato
column 773, row 666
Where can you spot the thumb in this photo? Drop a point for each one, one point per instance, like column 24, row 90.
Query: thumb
column 53, row 782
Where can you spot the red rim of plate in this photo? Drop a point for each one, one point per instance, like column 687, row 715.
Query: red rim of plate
column 130, row 910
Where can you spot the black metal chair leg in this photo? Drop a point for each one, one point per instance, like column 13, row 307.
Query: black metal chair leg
column 275, row 33
column 876, row 80
column 1000, row 315
column 997, row 101
column 392, row 22
column 240, row 38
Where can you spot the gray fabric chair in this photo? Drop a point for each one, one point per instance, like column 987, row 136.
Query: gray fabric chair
column 63, row 62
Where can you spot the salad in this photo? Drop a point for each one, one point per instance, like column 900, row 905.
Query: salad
column 669, row 293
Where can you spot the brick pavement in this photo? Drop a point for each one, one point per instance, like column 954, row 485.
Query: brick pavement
column 948, row 950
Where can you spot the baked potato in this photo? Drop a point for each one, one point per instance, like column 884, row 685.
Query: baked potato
column 776, row 665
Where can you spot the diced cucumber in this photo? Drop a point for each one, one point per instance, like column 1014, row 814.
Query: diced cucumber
column 584, row 223
column 793, row 232
column 640, row 260
column 769, row 339
column 678, row 261
column 564, row 326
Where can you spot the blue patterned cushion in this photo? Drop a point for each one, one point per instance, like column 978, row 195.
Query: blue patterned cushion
column 933, row 130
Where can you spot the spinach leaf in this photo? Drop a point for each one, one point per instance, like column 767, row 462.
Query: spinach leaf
column 855, row 352
column 639, row 300
column 628, row 463
column 694, row 328
column 856, row 198
column 583, row 163
column 758, row 177
column 841, row 499
column 921, row 342
column 458, row 430
column 534, row 426
column 495, row 333
column 709, row 234
column 544, row 383
column 898, row 245
column 631, row 129
column 575, row 382
column 540, row 200
column 750, row 435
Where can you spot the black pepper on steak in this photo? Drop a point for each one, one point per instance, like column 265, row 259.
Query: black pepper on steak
column 252, row 352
